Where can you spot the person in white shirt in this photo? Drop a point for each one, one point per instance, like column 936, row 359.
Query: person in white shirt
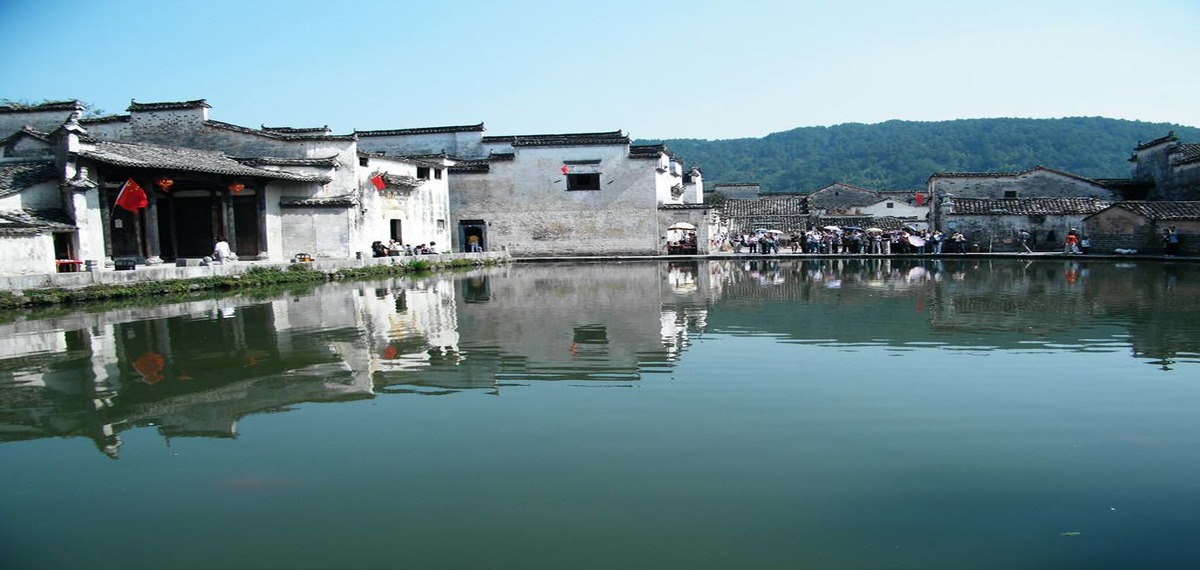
column 221, row 251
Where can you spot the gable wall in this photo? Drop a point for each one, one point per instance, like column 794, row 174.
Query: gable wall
column 1036, row 184
column 41, row 120
column 463, row 144
column 531, row 212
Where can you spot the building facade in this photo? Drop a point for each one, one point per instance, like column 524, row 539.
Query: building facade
column 271, row 192
column 554, row 194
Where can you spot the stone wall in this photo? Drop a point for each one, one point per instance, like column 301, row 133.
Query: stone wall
column 999, row 233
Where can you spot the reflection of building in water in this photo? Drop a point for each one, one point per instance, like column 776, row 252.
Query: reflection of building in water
column 192, row 369
column 549, row 322
column 196, row 368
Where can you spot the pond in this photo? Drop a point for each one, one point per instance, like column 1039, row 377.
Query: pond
column 834, row 413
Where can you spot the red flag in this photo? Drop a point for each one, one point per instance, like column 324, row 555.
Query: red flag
column 564, row 169
column 377, row 181
column 132, row 197
column 920, row 199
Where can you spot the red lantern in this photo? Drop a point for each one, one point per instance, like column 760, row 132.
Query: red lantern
column 237, row 187
column 164, row 183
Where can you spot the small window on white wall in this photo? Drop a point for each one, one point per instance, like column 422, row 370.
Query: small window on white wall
column 441, row 225
column 583, row 181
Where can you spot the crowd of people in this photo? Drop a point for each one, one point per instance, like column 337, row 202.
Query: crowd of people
column 395, row 248
column 841, row 240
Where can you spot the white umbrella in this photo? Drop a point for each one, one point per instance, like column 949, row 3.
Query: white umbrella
column 681, row 226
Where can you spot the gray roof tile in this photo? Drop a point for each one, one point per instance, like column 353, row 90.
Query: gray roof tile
column 26, row 222
column 421, row 131
column 19, row 175
column 1027, row 206
column 1165, row 210
column 343, row 201
column 138, row 155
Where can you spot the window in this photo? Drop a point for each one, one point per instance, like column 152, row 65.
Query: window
column 1010, row 193
column 437, row 173
column 891, row 204
column 441, row 225
column 364, row 161
column 423, row 172
column 583, row 181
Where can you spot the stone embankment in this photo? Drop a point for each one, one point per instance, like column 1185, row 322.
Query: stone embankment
column 16, row 290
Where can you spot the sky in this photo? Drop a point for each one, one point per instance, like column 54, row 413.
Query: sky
column 654, row 69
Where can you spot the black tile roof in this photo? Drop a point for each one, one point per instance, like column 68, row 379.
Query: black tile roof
column 343, row 201
column 1027, row 206
column 573, row 139
column 647, row 150
column 1163, row 210
column 135, row 107
column 295, row 131
column 402, row 182
column 26, row 131
column 421, row 131
column 105, row 119
column 278, row 135
column 139, row 155
column 1186, row 153
column 784, row 205
column 19, row 175
column 470, row 167
column 28, row 222
column 327, row 162
column 501, row 156
column 71, row 105
column 1160, row 140
column 1008, row 174
column 736, row 184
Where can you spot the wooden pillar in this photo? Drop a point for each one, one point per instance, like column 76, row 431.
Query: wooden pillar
column 227, row 206
column 105, row 217
column 152, row 245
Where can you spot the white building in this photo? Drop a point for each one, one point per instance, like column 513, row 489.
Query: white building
column 555, row 194
column 272, row 192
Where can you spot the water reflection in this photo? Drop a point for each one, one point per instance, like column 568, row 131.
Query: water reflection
column 194, row 369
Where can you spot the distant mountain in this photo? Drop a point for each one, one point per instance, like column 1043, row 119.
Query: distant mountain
column 901, row 155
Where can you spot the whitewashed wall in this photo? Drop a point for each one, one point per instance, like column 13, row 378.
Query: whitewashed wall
column 530, row 211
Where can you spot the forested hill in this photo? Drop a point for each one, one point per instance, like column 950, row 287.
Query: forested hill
column 900, row 155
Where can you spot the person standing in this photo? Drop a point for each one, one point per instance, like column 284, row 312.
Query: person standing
column 1023, row 236
column 960, row 242
column 1071, row 242
column 1085, row 244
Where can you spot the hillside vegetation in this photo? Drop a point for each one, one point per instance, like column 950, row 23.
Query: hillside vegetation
column 900, row 155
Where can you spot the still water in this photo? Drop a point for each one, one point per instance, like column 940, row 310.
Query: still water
column 725, row 414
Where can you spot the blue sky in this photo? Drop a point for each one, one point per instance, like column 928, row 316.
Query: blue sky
column 655, row 69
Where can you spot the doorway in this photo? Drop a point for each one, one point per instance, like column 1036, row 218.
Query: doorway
column 472, row 235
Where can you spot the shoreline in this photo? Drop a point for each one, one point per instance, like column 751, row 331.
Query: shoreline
column 23, row 291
